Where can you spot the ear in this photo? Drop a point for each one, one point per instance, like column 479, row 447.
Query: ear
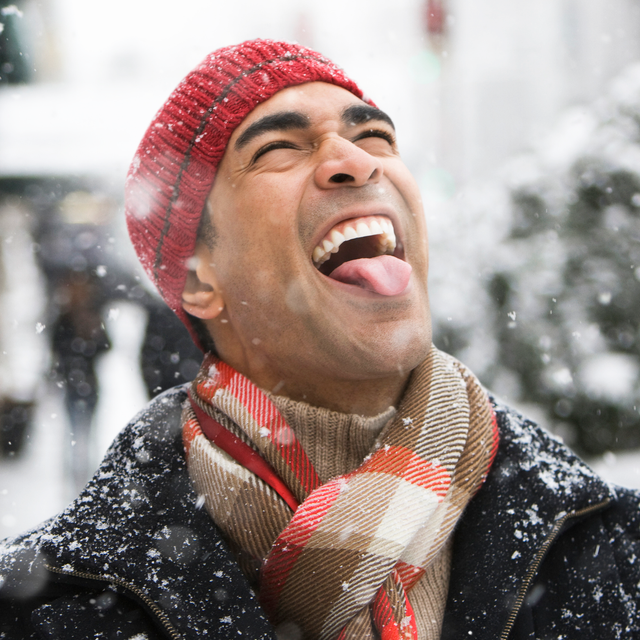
column 202, row 296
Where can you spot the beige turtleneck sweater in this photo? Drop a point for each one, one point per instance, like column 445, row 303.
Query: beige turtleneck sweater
column 337, row 443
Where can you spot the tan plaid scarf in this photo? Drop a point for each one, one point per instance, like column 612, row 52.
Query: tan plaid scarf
column 338, row 559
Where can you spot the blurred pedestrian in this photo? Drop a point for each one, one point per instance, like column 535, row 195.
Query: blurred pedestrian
column 78, row 338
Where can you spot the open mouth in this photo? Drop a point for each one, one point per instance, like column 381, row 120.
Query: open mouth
column 364, row 252
column 365, row 237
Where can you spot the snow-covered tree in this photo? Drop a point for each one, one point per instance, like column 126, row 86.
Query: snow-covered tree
column 563, row 290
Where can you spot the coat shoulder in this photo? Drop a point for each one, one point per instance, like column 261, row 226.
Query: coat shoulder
column 32, row 600
column 158, row 423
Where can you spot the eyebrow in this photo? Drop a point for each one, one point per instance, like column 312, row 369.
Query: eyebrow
column 363, row 113
column 286, row 120
column 282, row 121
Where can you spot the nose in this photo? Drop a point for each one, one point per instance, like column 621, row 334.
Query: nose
column 342, row 163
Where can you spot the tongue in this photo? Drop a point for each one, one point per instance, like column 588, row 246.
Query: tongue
column 385, row 275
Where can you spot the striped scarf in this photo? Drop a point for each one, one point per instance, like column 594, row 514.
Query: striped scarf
column 336, row 560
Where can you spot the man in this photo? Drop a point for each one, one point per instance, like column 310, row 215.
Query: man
column 327, row 457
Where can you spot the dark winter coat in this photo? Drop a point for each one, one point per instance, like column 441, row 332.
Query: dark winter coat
column 545, row 550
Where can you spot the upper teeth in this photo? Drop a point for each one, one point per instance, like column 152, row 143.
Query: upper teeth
column 351, row 229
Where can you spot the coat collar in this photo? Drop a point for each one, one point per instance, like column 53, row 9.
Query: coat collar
column 534, row 484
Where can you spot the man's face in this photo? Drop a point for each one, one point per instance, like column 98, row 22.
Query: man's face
column 311, row 161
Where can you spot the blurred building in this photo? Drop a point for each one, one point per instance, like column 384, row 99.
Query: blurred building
column 512, row 67
column 468, row 83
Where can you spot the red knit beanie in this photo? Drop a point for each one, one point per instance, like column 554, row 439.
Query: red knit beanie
column 174, row 168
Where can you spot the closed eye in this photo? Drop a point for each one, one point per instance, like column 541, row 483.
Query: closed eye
column 278, row 144
column 376, row 133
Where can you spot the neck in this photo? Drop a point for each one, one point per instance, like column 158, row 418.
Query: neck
column 323, row 382
column 363, row 397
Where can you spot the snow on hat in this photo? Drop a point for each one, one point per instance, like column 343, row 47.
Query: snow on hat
column 175, row 165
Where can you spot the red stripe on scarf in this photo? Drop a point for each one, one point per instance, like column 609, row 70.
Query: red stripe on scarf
column 291, row 543
column 496, row 440
column 383, row 615
column 279, row 569
column 409, row 466
column 242, row 453
column 311, row 512
column 189, row 431
column 265, row 413
column 385, row 619
column 409, row 574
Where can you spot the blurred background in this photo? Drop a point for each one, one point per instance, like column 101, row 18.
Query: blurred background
column 521, row 122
